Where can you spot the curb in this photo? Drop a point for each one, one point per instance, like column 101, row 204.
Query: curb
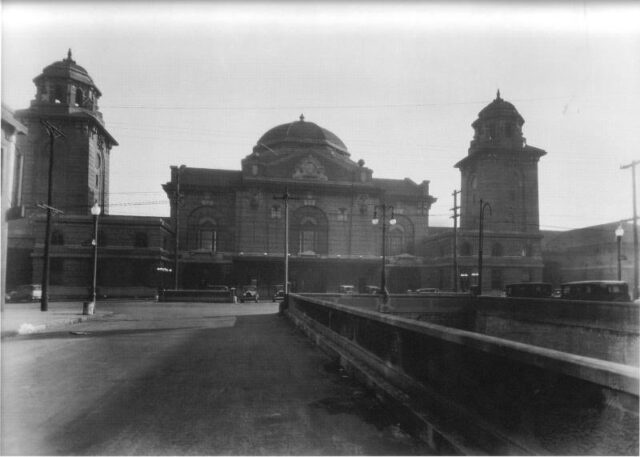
column 30, row 329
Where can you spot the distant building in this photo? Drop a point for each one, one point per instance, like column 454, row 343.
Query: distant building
column 231, row 223
column 11, row 164
column 588, row 253
column 133, row 251
column 500, row 171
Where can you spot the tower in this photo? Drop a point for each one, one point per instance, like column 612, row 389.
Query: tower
column 501, row 170
column 67, row 98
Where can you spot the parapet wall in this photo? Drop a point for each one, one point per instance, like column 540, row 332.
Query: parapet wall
column 473, row 393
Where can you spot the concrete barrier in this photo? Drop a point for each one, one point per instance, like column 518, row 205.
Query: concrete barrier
column 472, row 393
column 196, row 295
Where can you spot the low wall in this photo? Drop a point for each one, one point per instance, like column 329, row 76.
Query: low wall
column 472, row 393
column 604, row 330
column 82, row 293
column 196, row 295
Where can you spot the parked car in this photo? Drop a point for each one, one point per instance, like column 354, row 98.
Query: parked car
column 278, row 293
column 249, row 293
column 596, row 290
column 346, row 289
column 427, row 290
column 26, row 292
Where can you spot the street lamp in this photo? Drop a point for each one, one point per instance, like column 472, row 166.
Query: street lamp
column 376, row 221
column 619, row 232
column 90, row 308
column 483, row 206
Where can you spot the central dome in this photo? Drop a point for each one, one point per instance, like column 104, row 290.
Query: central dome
column 302, row 133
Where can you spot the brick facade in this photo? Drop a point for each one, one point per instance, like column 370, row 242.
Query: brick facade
column 231, row 224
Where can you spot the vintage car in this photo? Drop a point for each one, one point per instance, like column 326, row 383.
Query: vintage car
column 26, row 292
column 249, row 293
column 278, row 293
column 346, row 289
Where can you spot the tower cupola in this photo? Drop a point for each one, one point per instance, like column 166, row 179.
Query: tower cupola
column 67, row 85
column 498, row 125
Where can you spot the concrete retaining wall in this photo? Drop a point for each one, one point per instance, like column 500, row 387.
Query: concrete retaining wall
column 472, row 393
column 198, row 295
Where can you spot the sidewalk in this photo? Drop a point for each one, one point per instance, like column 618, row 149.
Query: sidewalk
column 25, row 318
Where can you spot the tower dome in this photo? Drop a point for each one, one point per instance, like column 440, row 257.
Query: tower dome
column 301, row 133
column 69, row 70
column 498, row 124
column 499, row 109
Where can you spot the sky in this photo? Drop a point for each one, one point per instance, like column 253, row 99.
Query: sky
column 399, row 83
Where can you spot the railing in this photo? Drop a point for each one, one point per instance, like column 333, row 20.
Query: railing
column 473, row 393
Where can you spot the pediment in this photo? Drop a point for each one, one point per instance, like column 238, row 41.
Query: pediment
column 319, row 166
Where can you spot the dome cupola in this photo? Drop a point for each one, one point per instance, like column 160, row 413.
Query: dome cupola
column 498, row 124
column 66, row 83
column 301, row 134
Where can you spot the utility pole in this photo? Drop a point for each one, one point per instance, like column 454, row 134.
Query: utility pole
column 632, row 165
column 286, row 196
column 54, row 132
column 176, row 229
column 455, row 239
column 483, row 206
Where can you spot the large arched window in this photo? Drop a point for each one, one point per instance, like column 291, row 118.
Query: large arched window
column 207, row 230
column 397, row 242
column 401, row 236
column 207, row 234
column 310, row 231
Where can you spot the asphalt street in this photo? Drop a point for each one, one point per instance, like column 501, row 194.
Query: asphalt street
column 186, row 379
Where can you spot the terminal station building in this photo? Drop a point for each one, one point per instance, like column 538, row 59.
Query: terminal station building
column 227, row 227
column 231, row 224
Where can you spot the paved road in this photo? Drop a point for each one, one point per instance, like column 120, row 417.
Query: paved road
column 186, row 379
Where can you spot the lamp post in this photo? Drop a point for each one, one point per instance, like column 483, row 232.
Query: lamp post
column 95, row 211
column 483, row 206
column 619, row 232
column 376, row 221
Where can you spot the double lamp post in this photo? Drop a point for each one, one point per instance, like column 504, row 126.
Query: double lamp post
column 376, row 221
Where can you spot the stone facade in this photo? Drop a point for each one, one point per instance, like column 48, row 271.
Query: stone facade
column 231, row 224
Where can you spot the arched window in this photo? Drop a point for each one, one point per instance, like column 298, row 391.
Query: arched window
column 465, row 249
column 308, row 235
column 58, row 96
column 79, row 97
column 496, row 250
column 57, row 238
column 310, row 231
column 207, row 235
column 207, row 230
column 396, row 240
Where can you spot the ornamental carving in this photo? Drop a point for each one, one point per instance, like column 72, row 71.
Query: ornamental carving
column 309, row 168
